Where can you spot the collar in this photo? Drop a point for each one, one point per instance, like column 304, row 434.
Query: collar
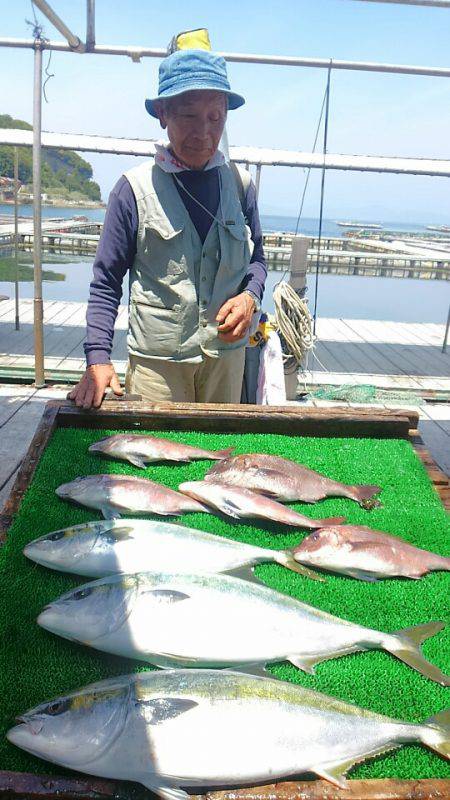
column 169, row 162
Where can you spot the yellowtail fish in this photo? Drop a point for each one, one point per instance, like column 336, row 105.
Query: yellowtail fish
column 113, row 494
column 366, row 554
column 192, row 729
column 141, row 450
column 97, row 549
column 242, row 503
column 286, row 480
column 218, row 621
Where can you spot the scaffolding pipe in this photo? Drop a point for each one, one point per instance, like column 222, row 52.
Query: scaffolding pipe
column 90, row 25
column 39, row 376
column 260, row 156
column 444, row 344
column 73, row 41
column 136, row 53
column 258, row 179
column 16, row 235
column 437, row 3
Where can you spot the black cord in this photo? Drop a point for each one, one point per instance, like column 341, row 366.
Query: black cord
column 322, row 191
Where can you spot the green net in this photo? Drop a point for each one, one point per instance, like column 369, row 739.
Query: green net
column 365, row 393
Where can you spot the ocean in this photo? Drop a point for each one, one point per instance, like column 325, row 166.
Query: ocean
column 341, row 296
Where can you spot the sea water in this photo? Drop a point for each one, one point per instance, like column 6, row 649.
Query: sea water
column 342, row 296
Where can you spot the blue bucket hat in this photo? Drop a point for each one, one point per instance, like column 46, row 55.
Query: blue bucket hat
column 185, row 70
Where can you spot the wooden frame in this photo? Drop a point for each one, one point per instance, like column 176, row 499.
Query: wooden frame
column 293, row 420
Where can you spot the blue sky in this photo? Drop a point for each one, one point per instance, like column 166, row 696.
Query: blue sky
column 373, row 114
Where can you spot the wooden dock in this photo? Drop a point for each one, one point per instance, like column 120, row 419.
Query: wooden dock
column 390, row 355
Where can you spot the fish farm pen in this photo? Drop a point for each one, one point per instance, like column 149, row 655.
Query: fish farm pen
column 350, row 445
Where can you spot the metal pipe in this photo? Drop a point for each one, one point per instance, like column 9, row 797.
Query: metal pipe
column 444, row 345
column 437, row 3
column 74, row 42
column 16, row 235
column 254, row 155
column 258, row 179
column 90, row 25
column 37, row 220
column 136, row 53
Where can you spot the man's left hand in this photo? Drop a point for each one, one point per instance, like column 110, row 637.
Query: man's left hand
column 234, row 317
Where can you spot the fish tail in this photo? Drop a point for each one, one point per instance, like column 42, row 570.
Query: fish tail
column 287, row 559
column 364, row 495
column 436, row 733
column 407, row 649
column 220, row 454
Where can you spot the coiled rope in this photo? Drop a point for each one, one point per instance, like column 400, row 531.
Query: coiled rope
column 294, row 322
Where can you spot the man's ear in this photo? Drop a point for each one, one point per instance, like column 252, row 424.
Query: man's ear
column 158, row 105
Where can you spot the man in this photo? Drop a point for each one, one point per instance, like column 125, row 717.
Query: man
column 178, row 226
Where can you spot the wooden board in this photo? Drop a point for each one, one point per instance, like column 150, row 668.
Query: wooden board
column 293, row 420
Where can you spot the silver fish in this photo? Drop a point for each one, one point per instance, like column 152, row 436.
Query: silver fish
column 366, row 554
column 286, row 480
column 98, row 549
column 112, row 494
column 197, row 729
column 141, row 450
column 242, row 503
column 218, row 621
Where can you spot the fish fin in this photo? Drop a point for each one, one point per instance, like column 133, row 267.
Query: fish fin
column 286, row 559
column 167, row 595
column 231, row 509
column 336, row 771
column 360, row 575
column 159, row 710
column 437, row 733
column 110, row 512
column 165, row 791
column 304, row 663
column 364, row 495
column 259, row 670
column 408, row 650
column 121, row 533
column 221, row 454
column 137, row 462
column 245, row 574
column 307, row 663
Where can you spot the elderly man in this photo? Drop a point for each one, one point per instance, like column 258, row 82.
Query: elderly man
column 181, row 227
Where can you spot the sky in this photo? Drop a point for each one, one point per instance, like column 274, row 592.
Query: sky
column 370, row 113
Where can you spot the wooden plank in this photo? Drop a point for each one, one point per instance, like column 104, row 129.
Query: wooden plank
column 48, row 787
column 28, row 467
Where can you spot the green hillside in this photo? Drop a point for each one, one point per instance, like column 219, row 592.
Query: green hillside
column 64, row 172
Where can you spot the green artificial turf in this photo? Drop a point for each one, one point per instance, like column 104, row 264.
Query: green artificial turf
column 36, row 665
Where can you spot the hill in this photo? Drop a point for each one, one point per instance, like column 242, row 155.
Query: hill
column 64, row 173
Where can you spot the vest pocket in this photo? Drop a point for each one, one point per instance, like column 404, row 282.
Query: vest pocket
column 164, row 251
column 154, row 331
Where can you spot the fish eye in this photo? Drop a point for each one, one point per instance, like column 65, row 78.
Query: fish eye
column 54, row 537
column 80, row 594
column 58, row 707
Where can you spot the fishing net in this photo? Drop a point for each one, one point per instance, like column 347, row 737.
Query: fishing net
column 365, row 393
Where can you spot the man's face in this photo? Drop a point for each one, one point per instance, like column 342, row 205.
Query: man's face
column 195, row 121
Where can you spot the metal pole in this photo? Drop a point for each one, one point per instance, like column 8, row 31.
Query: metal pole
column 37, row 220
column 322, row 195
column 90, row 25
column 16, row 234
column 136, row 53
column 258, row 179
column 437, row 3
column 444, row 345
column 74, row 42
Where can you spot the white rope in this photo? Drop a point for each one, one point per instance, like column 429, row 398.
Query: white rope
column 294, row 321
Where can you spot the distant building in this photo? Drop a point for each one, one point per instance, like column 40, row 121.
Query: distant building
column 6, row 189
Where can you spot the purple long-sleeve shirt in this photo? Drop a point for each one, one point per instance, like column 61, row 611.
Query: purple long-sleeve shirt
column 117, row 250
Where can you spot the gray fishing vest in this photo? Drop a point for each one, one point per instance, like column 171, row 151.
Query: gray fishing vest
column 177, row 285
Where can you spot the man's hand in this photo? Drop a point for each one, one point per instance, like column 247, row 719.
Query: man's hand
column 235, row 316
column 89, row 392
